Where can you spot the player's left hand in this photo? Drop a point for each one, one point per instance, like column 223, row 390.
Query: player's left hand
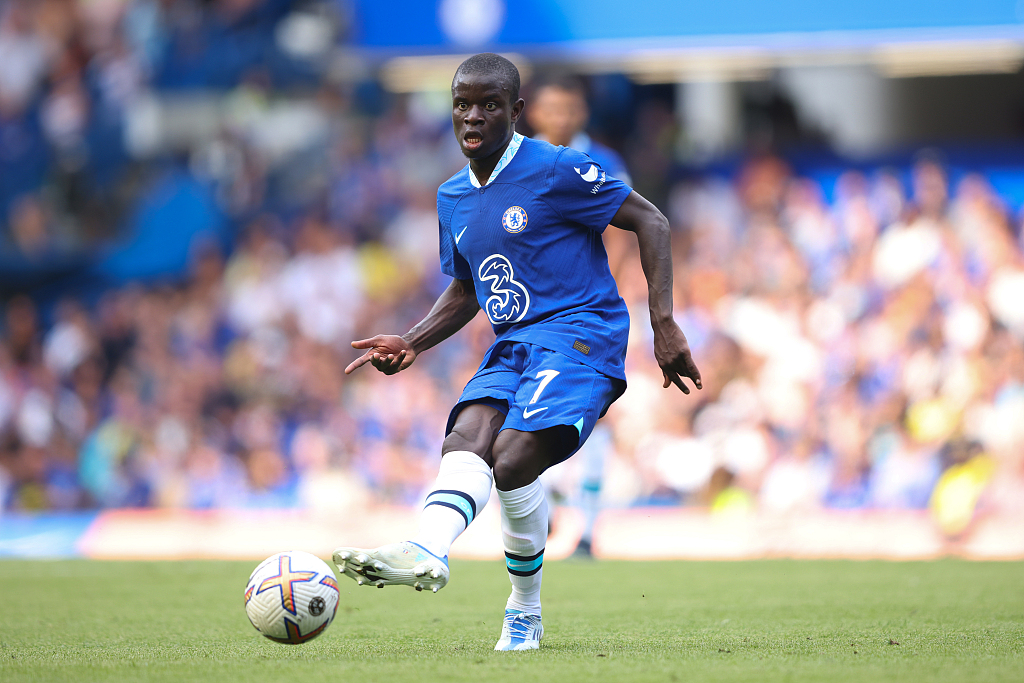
column 672, row 352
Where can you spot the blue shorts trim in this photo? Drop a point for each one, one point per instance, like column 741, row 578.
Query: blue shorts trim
column 537, row 388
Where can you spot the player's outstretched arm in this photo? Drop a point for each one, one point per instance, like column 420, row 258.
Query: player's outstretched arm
column 655, row 239
column 391, row 353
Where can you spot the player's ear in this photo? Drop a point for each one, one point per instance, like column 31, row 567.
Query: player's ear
column 517, row 109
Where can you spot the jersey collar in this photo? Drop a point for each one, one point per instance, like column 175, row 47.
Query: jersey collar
column 510, row 152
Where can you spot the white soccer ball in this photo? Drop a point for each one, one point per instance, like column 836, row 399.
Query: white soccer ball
column 291, row 597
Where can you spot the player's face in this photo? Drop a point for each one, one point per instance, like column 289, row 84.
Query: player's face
column 557, row 114
column 482, row 115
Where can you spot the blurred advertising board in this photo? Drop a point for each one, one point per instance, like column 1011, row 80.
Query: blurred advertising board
column 637, row 533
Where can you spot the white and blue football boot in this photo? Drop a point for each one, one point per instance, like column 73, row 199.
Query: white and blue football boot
column 405, row 564
column 520, row 631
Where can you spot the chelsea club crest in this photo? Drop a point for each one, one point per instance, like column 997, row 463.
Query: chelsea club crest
column 514, row 219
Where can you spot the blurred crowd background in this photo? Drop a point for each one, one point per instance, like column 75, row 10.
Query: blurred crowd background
column 199, row 211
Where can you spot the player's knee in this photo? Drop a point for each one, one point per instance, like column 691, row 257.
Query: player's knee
column 468, row 440
column 518, row 459
column 509, row 474
column 474, row 431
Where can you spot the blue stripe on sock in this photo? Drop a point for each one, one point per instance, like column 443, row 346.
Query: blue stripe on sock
column 456, row 500
column 462, row 494
column 450, row 506
column 524, row 566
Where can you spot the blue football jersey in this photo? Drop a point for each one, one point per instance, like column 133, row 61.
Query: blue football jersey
column 530, row 239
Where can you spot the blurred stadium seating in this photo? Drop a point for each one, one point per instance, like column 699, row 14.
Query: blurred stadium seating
column 200, row 208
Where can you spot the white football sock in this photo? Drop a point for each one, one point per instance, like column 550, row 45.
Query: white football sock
column 460, row 493
column 524, row 531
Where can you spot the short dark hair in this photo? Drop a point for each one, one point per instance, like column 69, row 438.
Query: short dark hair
column 490, row 64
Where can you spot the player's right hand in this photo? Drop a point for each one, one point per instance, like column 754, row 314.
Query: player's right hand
column 389, row 353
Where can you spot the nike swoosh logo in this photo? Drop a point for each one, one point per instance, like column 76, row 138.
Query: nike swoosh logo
column 459, row 236
column 527, row 412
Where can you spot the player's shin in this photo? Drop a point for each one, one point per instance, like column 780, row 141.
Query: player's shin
column 459, row 494
column 524, row 528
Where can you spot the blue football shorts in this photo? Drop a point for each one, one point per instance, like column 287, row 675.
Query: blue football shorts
column 537, row 388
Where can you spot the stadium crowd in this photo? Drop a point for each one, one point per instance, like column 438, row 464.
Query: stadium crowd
column 856, row 350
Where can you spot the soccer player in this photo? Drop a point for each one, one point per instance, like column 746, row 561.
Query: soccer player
column 558, row 114
column 520, row 233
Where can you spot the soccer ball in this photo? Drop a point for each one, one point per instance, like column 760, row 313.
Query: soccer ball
column 291, row 597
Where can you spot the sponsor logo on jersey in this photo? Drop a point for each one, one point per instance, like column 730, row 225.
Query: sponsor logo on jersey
column 509, row 300
column 591, row 175
column 514, row 219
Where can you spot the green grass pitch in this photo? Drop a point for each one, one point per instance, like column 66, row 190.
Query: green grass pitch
column 774, row 620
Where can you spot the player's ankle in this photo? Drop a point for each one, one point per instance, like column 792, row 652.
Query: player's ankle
column 526, row 604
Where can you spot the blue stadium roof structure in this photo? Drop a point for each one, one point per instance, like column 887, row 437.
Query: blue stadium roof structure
column 682, row 39
column 582, row 25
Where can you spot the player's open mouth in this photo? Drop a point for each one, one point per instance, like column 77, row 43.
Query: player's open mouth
column 472, row 140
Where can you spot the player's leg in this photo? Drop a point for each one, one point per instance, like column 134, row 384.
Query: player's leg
column 519, row 459
column 556, row 406
column 463, row 484
column 459, row 494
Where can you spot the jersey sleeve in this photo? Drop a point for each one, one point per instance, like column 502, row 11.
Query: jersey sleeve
column 583, row 192
column 452, row 262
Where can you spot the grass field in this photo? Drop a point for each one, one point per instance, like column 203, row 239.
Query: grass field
column 679, row 621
